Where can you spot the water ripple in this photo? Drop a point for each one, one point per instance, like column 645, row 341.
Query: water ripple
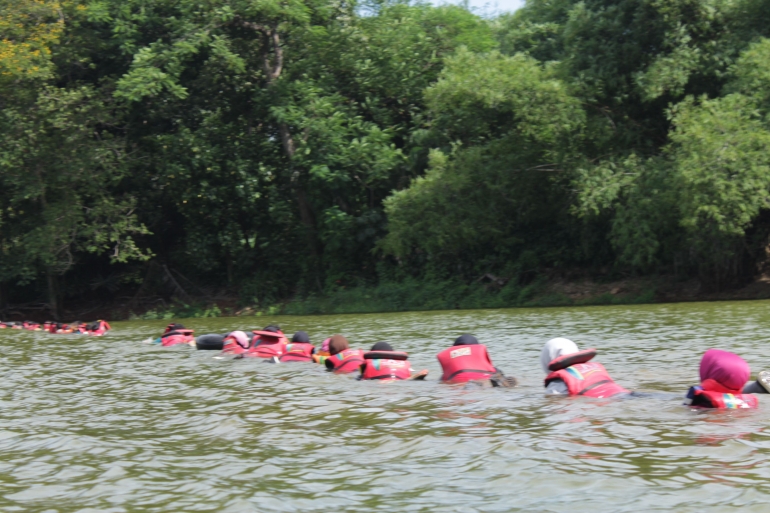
column 115, row 425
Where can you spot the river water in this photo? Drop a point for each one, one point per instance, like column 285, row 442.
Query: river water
column 113, row 424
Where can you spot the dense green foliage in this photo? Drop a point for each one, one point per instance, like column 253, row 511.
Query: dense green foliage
column 300, row 148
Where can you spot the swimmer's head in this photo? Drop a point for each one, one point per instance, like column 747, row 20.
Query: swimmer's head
column 240, row 338
column 465, row 340
column 555, row 348
column 272, row 328
column 728, row 369
column 174, row 326
column 337, row 344
column 301, row 336
column 382, row 346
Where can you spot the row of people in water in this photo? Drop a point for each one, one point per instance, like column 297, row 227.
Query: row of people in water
column 569, row 370
column 96, row 328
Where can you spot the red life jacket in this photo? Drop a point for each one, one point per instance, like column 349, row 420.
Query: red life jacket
column 298, row 352
column 349, row 360
column 385, row 365
column 711, row 394
column 465, row 363
column 268, row 344
column 231, row 346
column 589, row 379
column 103, row 328
column 173, row 338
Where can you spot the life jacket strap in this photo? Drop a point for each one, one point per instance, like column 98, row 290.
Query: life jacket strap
column 598, row 383
column 468, row 370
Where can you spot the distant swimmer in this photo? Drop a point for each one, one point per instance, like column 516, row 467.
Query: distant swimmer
column 31, row 325
column 175, row 334
column 97, row 328
column 467, row 360
column 61, row 328
column 384, row 364
column 342, row 359
column 570, row 371
column 723, row 377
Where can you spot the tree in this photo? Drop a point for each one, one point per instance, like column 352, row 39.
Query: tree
column 512, row 130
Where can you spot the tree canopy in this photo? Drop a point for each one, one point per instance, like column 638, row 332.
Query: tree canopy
column 277, row 149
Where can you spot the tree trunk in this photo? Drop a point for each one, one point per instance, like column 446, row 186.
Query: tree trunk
column 53, row 295
column 273, row 67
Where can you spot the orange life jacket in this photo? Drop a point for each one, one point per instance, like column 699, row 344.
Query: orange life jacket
column 349, row 360
column 465, row 363
column 385, row 365
column 60, row 329
column 589, row 379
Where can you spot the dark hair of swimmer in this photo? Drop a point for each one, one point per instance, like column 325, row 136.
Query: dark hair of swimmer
column 465, row 340
column 301, row 336
column 337, row 344
column 272, row 328
column 381, row 346
column 174, row 326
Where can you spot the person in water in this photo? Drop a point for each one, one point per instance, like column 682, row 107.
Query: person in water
column 175, row 334
column 342, row 359
column 299, row 349
column 270, row 342
column 236, row 342
column 467, row 360
column 723, row 377
column 385, row 364
column 569, row 371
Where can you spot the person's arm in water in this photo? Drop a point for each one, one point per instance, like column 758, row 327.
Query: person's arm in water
column 760, row 386
column 754, row 388
column 557, row 387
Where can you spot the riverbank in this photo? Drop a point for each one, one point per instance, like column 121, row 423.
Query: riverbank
column 412, row 295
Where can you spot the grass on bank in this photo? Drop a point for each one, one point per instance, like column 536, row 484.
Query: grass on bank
column 407, row 295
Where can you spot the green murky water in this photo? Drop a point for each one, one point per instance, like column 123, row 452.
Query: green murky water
column 111, row 424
